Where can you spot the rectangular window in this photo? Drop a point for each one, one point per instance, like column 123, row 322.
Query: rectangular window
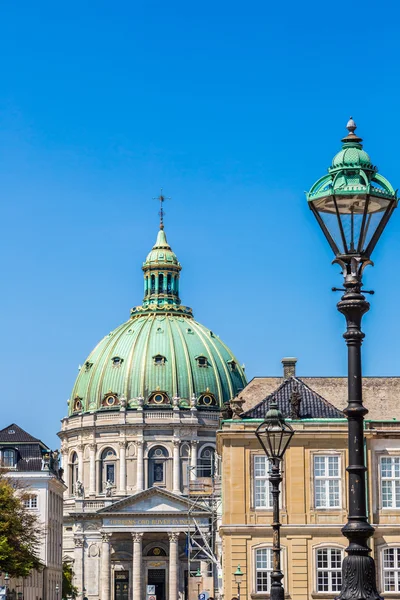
column 158, row 472
column 262, row 485
column 327, row 481
column 391, row 569
column 8, row 458
column 110, row 473
column 329, row 569
column 263, row 569
column 31, row 502
column 390, row 481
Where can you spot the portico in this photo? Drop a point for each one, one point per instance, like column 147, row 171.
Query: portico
column 143, row 539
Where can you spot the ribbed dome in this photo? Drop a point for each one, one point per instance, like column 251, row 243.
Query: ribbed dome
column 351, row 156
column 160, row 349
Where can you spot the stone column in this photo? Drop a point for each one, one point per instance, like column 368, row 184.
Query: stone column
column 173, row 566
column 66, row 468
column 193, row 459
column 139, row 466
column 79, row 543
column 105, row 577
column 176, row 487
column 92, row 469
column 136, row 566
column 80, row 462
column 122, row 467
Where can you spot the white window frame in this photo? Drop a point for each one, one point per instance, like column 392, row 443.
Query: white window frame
column 267, row 570
column 394, row 480
column 254, row 570
column 31, row 502
column 394, row 570
column 327, row 479
column 262, row 478
column 329, row 570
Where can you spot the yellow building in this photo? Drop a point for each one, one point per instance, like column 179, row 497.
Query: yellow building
column 313, row 496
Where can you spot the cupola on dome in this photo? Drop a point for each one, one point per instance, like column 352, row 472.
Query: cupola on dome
column 161, row 356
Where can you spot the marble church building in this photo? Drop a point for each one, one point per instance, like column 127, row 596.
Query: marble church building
column 138, row 444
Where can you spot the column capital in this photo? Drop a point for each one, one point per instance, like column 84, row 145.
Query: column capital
column 139, row 443
column 122, row 443
column 80, row 447
column 173, row 536
column 79, row 542
column 194, row 442
column 137, row 537
column 105, row 537
column 92, row 446
column 176, row 443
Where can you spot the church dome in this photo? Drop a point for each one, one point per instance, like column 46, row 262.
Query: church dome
column 161, row 356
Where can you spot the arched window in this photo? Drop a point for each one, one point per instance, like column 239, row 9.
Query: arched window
column 153, row 284
column 160, row 283
column 205, row 463
column 73, row 472
column 169, row 283
column 108, row 467
column 157, row 466
column 8, row 458
column 390, row 569
column 207, row 399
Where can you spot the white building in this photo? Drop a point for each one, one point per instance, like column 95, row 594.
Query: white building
column 36, row 468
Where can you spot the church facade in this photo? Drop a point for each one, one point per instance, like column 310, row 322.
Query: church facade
column 138, row 449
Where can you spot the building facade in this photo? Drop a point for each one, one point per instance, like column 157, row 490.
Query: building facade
column 138, row 448
column 314, row 491
column 36, row 469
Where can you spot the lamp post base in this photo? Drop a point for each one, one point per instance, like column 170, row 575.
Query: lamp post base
column 359, row 579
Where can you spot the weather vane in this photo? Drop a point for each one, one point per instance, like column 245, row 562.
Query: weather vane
column 161, row 198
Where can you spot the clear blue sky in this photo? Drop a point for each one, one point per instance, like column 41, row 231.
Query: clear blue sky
column 234, row 108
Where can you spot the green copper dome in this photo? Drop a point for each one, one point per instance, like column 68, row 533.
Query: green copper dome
column 161, row 355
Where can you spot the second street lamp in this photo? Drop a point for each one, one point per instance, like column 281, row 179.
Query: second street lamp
column 199, row 579
column 274, row 435
column 238, row 579
column 352, row 205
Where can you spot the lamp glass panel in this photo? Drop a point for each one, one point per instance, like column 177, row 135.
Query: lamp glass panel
column 374, row 218
column 326, row 210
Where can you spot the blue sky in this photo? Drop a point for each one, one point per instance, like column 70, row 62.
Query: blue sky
column 234, row 109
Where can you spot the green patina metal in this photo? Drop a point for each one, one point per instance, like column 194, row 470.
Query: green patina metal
column 160, row 348
column 351, row 172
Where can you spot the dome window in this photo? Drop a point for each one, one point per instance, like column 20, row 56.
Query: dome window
column 190, row 331
column 110, row 400
column 202, row 361
column 159, row 360
column 232, row 365
column 77, row 406
column 160, row 330
column 117, row 361
column 207, row 399
column 159, row 398
column 88, row 366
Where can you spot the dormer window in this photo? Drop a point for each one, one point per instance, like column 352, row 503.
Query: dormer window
column 232, row 365
column 88, row 366
column 8, row 458
column 207, row 399
column 117, row 361
column 159, row 360
column 77, row 404
column 159, row 398
column 110, row 400
column 202, row 361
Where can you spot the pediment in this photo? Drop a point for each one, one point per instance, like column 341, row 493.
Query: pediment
column 153, row 501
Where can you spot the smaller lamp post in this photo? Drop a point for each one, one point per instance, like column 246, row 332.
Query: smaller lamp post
column 6, row 582
column 57, row 590
column 238, row 579
column 274, row 435
column 199, row 577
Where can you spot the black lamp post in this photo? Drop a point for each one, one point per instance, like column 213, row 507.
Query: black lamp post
column 352, row 205
column 274, row 435
column 6, row 583
column 238, row 579
column 57, row 590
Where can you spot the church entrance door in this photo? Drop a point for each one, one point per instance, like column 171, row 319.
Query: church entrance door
column 156, row 577
column 121, row 585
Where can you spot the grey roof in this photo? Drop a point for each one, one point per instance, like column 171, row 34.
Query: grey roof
column 312, row 405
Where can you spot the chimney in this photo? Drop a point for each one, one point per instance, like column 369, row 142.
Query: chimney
column 289, row 367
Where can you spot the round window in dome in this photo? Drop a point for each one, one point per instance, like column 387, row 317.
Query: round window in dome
column 207, row 399
column 158, row 398
column 110, row 401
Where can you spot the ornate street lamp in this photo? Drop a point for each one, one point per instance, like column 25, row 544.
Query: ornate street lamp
column 199, row 578
column 238, row 574
column 6, row 583
column 57, row 590
column 352, row 205
column 274, row 435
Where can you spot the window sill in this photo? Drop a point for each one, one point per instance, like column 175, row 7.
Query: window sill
column 262, row 595
column 324, row 594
